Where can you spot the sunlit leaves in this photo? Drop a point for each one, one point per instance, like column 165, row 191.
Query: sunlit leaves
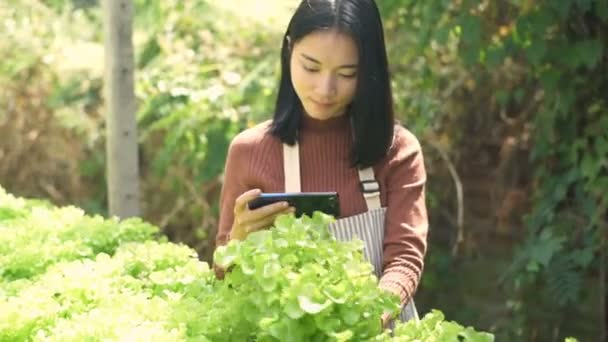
column 110, row 280
column 299, row 279
column 433, row 327
column 545, row 64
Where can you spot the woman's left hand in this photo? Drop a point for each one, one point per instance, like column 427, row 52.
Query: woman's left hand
column 386, row 320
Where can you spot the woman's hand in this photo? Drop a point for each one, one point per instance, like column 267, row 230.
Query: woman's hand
column 386, row 320
column 248, row 221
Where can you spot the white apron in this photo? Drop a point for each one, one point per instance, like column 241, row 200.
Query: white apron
column 368, row 226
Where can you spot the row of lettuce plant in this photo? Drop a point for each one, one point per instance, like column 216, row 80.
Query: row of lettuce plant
column 68, row 276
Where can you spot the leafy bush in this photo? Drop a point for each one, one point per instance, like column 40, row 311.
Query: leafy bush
column 521, row 87
column 199, row 81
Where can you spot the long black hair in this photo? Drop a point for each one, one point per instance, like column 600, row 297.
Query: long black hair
column 371, row 111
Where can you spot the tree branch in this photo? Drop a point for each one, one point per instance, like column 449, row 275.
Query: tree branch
column 459, row 196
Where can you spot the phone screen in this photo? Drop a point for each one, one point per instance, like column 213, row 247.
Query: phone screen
column 304, row 202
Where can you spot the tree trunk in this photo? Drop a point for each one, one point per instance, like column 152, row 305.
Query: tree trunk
column 604, row 284
column 121, row 126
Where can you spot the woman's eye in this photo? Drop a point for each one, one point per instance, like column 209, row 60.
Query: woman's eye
column 349, row 76
column 310, row 69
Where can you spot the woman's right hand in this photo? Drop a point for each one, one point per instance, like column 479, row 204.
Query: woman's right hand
column 247, row 221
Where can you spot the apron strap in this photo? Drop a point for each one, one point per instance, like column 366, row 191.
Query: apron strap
column 291, row 167
column 370, row 188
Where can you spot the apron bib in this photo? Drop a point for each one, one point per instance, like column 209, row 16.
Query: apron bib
column 367, row 226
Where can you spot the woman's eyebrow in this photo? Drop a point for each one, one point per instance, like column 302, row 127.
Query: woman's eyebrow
column 346, row 66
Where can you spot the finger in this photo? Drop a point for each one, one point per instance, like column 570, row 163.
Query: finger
column 259, row 225
column 265, row 211
column 267, row 221
column 240, row 204
column 250, row 217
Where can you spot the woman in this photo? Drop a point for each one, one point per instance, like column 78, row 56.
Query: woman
column 334, row 130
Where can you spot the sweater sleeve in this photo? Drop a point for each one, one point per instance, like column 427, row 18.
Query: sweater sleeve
column 405, row 239
column 236, row 173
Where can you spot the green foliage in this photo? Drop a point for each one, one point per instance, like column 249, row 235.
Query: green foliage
column 562, row 44
column 199, row 81
column 296, row 283
column 197, row 93
column 417, row 73
column 552, row 59
column 48, row 116
column 293, row 282
column 70, row 277
column 33, row 237
column 433, row 327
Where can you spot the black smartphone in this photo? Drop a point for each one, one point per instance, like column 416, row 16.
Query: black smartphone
column 303, row 202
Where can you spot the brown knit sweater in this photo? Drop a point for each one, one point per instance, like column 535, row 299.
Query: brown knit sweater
column 255, row 160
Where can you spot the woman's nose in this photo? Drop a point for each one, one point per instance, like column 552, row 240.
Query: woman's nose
column 326, row 88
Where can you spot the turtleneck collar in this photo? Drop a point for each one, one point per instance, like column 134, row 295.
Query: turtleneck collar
column 338, row 123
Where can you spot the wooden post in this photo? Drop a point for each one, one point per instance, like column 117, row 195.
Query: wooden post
column 121, row 125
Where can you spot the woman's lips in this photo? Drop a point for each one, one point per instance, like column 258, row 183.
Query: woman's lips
column 323, row 104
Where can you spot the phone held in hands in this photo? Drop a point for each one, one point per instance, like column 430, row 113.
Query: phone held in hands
column 303, row 202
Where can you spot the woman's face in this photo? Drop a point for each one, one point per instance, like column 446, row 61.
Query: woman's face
column 324, row 73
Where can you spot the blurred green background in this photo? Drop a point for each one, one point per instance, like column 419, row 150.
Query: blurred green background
column 508, row 98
